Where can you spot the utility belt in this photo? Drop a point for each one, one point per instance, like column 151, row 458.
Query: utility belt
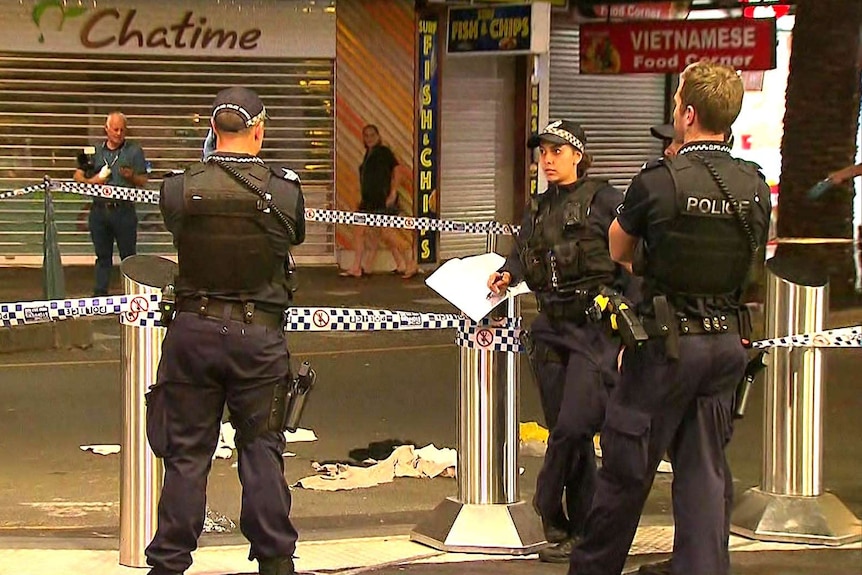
column 112, row 204
column 714, row 325
column 573, row 309
column 667, row 324
column 244, row 312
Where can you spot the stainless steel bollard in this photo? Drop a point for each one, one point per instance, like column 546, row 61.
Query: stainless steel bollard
column 791, row 505
column 487, row 516
column 141, row 472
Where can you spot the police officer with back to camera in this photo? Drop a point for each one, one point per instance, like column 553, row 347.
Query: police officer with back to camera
column 234, row 221
column 693, row 226
column 562, row 254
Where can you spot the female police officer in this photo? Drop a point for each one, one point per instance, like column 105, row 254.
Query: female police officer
column 562, row 253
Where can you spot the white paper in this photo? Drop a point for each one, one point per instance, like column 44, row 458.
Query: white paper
column 101, row 449
column 464, row 283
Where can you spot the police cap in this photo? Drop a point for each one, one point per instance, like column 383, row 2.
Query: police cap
column 241, row 102
column 663, row 132
column 561, row 132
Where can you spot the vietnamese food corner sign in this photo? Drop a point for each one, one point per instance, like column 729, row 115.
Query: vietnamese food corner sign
column 667, row 47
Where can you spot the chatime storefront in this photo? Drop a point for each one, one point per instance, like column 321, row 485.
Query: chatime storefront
column 65, row 64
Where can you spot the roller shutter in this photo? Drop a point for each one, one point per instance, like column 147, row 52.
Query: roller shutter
column 53, row 104
column 616, row 111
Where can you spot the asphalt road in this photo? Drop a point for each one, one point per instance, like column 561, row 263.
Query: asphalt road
column 371, row 387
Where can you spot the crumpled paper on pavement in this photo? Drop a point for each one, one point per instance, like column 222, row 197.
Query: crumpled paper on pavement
column 227, row 440
column 405, row 461
column 101, row 449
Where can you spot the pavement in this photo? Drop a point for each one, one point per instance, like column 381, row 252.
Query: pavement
column 362, row 531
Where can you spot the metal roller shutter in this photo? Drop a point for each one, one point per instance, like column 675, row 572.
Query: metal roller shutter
column 476, row 157
column 616, row 111
column 52, row 105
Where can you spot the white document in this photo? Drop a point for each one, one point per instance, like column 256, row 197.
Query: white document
column 464, row 283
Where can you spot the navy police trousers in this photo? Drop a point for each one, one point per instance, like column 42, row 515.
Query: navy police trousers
column 573, row 393
column 207, row 363
column 684, row 407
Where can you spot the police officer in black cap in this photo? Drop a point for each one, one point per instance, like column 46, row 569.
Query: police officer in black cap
column 234, row 221
column 693, row 226
column 562, row 253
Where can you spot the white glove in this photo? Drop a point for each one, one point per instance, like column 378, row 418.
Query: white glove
column 104, row 172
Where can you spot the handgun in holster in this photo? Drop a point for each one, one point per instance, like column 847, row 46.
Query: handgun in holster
column 743, row 389
column 168, row 305
column 623, row 319
column 289, row 398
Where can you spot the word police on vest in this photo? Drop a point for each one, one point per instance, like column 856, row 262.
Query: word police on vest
column 712, row 206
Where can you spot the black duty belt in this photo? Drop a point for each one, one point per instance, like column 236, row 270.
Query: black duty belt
column 111, row 205
column 714, row 325
column 234, row 311
column 574, row 309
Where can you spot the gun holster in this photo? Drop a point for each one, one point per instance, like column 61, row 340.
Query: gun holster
column 168, row 305
column 666, row 320
column 289, row 398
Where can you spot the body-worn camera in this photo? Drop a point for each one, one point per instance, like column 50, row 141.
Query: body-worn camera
column 87, row 161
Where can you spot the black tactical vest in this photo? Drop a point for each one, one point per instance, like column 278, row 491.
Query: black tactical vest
column 563, row 254
column 704, row 251
column 223, row 246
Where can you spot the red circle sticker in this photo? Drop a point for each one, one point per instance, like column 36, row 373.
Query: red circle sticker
column 320, row 318
column 105, row 191
column 409, row 223
column 484, row 338
column 136, row 307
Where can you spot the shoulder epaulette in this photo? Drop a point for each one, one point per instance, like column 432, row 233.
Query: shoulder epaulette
column 285, row 174
column 653, row 164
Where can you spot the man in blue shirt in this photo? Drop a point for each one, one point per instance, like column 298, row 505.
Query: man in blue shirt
column 118, row 162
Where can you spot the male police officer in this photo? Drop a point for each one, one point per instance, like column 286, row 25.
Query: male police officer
column 233, row 221
column 562, row 254
column 702, row 216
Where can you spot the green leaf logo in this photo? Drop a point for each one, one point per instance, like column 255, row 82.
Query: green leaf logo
column 66, row 13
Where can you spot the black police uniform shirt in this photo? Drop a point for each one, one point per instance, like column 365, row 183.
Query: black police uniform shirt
column 375, row 177
column 650, row 205
column 272, row 297
column 602, row 212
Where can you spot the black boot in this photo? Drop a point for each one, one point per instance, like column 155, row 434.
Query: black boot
column 559, row 552
column 554, row 533
column 276, row 566
column 660, row 568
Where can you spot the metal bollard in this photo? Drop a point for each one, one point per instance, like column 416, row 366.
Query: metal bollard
column 791, row 505
column 141, row 472
column 487, row 516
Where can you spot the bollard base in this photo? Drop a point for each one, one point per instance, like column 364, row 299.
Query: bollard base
column 821, row 519
column 508, row 529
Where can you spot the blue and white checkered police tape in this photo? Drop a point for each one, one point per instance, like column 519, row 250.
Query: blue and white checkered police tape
column 108, row 192
column 24, row 191
column 357, row 319
column 838, row 337
column 311, row 214
column 490, row 338
column 28, row 312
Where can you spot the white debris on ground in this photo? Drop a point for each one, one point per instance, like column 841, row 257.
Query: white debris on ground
column 227, row 440
column 405, row 461
column 101, row 449
column 215, row 522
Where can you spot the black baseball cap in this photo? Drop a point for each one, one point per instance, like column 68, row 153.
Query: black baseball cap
column 663, row 132
column 561, row 132
column 242, row 102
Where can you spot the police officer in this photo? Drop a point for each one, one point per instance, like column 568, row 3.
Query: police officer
column 234, row 221
column 701, row 219
column 561, row 252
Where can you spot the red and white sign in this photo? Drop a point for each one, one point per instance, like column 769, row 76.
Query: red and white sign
column 668, row 47
column 643, row 11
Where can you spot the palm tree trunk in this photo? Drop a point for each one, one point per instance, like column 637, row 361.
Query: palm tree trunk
column 820, row 128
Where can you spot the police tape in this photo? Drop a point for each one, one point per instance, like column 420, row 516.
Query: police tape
column 489, row 338
column 842, row 337
column 24, row 191
column 30, row 312
column 311, row 214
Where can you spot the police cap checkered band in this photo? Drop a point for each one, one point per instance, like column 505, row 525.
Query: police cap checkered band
column 241, row 101
column 561, row 132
